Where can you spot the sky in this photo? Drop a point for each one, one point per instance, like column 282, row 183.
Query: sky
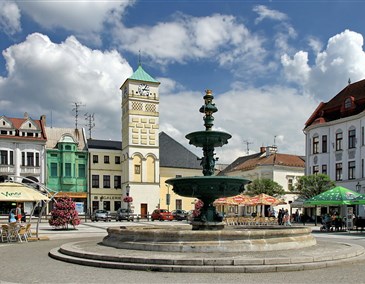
column 269, row 64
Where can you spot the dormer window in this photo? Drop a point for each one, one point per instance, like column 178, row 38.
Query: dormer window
column 30, row 125
column 348, row 103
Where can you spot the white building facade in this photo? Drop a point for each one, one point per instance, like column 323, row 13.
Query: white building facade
column 335, row 139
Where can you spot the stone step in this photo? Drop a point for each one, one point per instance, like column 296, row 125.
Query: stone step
column 173, row 263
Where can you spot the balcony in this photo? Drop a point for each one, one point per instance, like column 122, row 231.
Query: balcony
column 7, row 169
column 30, row 170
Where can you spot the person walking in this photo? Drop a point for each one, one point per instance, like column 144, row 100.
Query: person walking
column 18, row 213
column 286, row 218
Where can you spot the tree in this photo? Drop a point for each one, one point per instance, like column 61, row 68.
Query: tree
column 64, row 213
column 265, row 185
column 312, row 185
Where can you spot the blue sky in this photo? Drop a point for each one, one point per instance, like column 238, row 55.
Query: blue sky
column 269, row 63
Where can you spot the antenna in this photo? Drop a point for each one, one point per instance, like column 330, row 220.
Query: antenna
column 247, row 146
column 76, row 109
column 274, row 140
column 139, row 58
column 90, row 122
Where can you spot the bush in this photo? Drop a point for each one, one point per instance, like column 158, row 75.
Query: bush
column 64, row 213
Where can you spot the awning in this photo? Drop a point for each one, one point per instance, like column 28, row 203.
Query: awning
column 10, row 191
column 71, row 194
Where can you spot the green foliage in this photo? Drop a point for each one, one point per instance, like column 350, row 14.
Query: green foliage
column 312, row 185
column 265, row 185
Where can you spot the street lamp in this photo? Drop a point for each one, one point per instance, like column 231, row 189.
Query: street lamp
column 127, row 190
column 358, row 187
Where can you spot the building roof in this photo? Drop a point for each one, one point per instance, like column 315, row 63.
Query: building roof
column 335, row 109
column 104, row 144
column 175, row 155
column 142, row 75
column 249, row 162
column 17, row 123
column 55, row 135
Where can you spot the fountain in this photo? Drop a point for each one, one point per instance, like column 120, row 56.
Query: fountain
column 208, row 188
column 208, row 233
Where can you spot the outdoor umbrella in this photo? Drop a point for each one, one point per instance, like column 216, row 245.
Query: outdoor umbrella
column 264, row 199
column 17, row 192
column 337, row 196
column 239, row 199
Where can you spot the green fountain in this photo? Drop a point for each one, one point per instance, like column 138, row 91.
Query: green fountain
column 208, row 188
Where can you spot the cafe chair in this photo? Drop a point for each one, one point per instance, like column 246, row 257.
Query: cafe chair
column 21, row 234
column 5, row 232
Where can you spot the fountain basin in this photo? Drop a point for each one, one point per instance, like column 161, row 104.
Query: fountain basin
column 234, row 239
column 208, row 138
column 208, row 187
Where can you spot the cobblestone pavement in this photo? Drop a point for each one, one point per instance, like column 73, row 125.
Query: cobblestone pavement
column 29, row 263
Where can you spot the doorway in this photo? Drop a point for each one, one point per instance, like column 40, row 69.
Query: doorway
column 144, row 210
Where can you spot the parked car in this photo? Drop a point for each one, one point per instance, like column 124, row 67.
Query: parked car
column 161, row 215
column 179, row 214
column 124, row 214
column 101, row 215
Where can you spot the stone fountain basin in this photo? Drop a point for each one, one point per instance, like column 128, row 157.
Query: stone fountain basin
column 208, row 187
column 232, row 239
column 210, row 138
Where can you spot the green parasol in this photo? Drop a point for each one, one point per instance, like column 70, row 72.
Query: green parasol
column 337, row 196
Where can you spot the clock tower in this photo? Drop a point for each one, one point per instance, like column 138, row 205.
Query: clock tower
column 140, row 141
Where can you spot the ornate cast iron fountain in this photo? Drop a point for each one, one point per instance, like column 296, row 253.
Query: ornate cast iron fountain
column 208, row 188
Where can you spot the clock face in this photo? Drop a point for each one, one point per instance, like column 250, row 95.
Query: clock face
column 143, row 90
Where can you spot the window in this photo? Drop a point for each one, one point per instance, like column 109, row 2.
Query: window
column 348, row 102
column 23, row 158
column 3, row 157
column 11, row 157
column 95, row 159
column 178, row 176
column 338, row 171
column 315, row 170
column 30, row 159
column 67, row 169
column 117, row 160
column 324, row 144
column 4, row 132
column 351, row 170
column 68, row 148
column 106, row 205
column 362, row 168
column 106, row 159
column 324, row 169
column 339, row 141
column 352, row 138
column 137, row 169
column 81, row 171
column 362, row 136
column 95, row 181
column 54, row 172
column 106, row 181
column 290, row 183
column 315, row 145
column 117, row 205
column 37, row 159
column 117, row 182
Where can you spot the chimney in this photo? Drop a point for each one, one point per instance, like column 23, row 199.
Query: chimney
column 43, row 119
column 262, row 149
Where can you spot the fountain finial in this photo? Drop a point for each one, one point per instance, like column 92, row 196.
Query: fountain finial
column 208, row 109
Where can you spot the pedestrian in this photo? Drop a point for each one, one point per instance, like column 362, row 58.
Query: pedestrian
column 18, row 213
column 286, row 218
column 12, row 216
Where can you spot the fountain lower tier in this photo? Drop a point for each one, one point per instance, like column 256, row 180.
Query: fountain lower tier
column 233, row 239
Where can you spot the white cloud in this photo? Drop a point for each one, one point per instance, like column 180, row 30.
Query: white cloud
column 84, row 18
column 9, row 18
column 220, row 37
column 343, row 58
column 45, row 77
column 266, row 13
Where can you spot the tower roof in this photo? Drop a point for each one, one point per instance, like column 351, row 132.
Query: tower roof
column 142, row 75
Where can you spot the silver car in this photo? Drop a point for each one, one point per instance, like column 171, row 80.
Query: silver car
column 101, row 215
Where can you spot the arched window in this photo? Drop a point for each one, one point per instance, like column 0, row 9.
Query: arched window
column 150, row 168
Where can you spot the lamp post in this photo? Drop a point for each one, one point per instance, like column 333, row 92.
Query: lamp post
column 127, row 190
column 358, row 189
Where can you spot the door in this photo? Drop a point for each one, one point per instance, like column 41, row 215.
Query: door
column 144, row 210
